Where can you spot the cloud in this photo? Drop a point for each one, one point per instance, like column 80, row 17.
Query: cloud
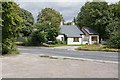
column 51, row 0
column 67, row 8
column 64, row 0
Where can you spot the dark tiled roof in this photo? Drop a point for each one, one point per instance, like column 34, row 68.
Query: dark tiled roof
column 90, row 31
column 71, row 31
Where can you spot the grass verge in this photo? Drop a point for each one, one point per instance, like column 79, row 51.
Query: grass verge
column 57, row 45
column 97, row 48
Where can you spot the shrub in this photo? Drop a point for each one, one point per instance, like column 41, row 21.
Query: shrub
column 60, row 42
column 114, row 41
column 8, row 47
column 38, row 38
column 26, row 41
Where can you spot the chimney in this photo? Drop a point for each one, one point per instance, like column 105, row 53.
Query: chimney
column 61, row 23
column 73, row 23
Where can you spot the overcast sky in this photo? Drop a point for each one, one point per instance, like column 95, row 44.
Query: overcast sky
column 67, row 8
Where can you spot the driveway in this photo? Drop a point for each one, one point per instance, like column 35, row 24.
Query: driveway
column 66, row 47
column 34, row 66
column 94, row 55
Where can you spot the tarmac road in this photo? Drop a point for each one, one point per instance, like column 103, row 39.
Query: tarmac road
column 96, row 55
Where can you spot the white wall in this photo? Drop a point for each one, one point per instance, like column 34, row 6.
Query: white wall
column 70, row 41
column 98, row 39
column 59, row 37
column 84, row 42
column 89, row 39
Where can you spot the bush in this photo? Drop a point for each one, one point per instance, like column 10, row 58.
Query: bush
column 26, row 41
column 38, row 38
column 114, row 41
column 9, row 47
column 60, row 42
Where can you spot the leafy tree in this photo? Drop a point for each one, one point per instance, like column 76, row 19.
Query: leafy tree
column 104, row 18
column 38, row 37
column 113, row 28
column 114, row 15
column 28, row 22
column 49, row 20
column 0, row 27
column 94, row 15
column 11, row 27
column 0, row 14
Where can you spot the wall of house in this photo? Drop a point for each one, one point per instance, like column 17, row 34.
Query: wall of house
column 89, row 41
column 71, row 42
column 81, row 40
column 59, row 37
column 85, row 41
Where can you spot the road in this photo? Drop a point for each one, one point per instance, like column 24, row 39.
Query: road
column 96, row 55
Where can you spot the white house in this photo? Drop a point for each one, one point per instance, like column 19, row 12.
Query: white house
column 90, row 36
column 75, row 36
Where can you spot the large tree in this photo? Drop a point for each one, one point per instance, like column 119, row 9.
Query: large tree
column 103, row 18
column 113, row 28
column 11, row 26
column 94, row 15
column 49, row 21
column 28, row 22
column 0, row 14
column 114, row 15
column 0, row 27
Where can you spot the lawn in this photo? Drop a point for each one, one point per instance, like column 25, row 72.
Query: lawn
column 97, row 48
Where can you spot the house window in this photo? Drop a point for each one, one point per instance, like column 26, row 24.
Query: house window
column 94, row 38
column 62, row 38
column 76, row 39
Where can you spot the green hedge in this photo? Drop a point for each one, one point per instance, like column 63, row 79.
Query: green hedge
column 114, row 41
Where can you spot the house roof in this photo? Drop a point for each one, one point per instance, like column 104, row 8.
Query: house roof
column 71, row 31
column 90, row 31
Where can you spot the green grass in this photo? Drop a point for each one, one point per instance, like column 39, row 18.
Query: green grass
column 57, row 45
column 19, row 43
column 77, row 45
column 97, row 48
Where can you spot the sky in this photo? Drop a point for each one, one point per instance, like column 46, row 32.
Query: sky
column 68, row 8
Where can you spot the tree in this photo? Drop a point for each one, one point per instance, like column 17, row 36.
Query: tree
column 0, row 14
column 38, row 38
column 114, row 15
column 49, row 20
column 0, row 27
column 113, row 28
column 28, row 22
column 104, row 18
column 94, row 15
column 11, row 27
